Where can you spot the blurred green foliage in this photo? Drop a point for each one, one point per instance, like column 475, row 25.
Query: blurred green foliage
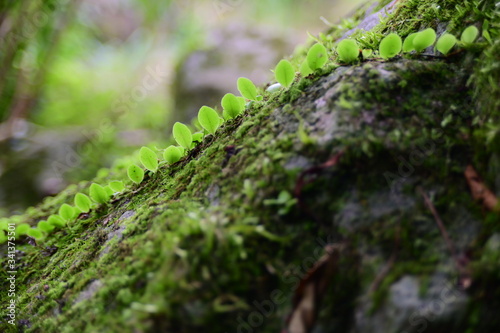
column 86, row 82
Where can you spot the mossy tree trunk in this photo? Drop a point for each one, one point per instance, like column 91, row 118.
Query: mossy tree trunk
column 374, row 154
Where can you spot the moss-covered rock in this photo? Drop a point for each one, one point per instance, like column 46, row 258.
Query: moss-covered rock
column 219, row 241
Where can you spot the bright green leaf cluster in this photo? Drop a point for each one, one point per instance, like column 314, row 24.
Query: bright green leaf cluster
column 348, row 51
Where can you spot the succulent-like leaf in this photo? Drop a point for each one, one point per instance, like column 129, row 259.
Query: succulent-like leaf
column 45, row 226
column 197, row 137
column 390, row 46
column 208, row 119
column 284, row 73
column 56, row 221
column 22, row 229
column 469, row 35
column 247, row 89
column 445, row 43
column 148, row 159
column 82, row 202
column 135, row 173
column 305, row 70
column 232, row 105
column 408, row 43
column 172, row 154
column 98, row 193
column 182, row 135
column 35, row 233
column 424, row 39
column 117, row 185
column 66, row 212
column 348, row 50
column 317, row 56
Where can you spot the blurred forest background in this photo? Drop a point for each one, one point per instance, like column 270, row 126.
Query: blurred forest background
column 84, row 83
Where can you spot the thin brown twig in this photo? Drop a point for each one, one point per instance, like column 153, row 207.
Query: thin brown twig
column 442, row 229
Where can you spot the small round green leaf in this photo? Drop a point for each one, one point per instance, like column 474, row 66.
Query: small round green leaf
column 390, row 46
column 148, row 159
column 22, row 229
column 445, row 43
column 408, row 43
column 317, row 56
column 424, row 39
column 116, row 186
column 348, row 50
column 182, row 135
column 135, row 173
column 109, row 191
column 45, row 226
column 35, row 233
column 208, row 119
column 172, row 154
column 305, row 70
column 66, row 212
column 247, row 89
column 232, row 105
column 56, row 221
column 82, row 202
column 366, row 53
column 197, row 138
column 284, row 73
column 469, row 35
column 98, row 193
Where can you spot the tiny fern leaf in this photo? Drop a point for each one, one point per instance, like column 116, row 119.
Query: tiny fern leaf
column 148, row 159
column 348, row 50
column 445, row 43
column 424, row 39
column 56, row 221
column 66, row 212
column 390, row 46
column 316, row 56
column 116, row 186
column 469, row 35
column 232, row 105
column 172, row 154
column 98, row 193
column 82, row 202
column 208, row 119
column 408, row 43
column 182, row 135
column 284, row 73
column 135, row 173
column 247, row 89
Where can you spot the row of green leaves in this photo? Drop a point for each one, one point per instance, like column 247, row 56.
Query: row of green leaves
column 347, row 50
